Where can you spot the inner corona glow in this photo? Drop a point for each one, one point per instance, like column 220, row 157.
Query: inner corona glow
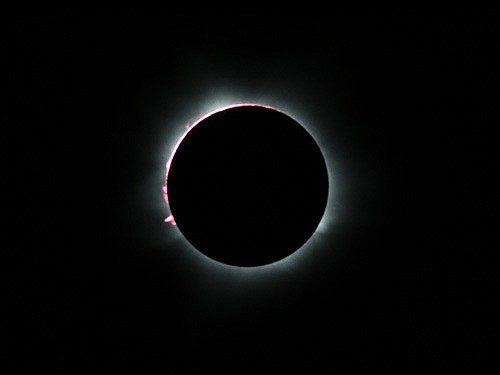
column 290, row 261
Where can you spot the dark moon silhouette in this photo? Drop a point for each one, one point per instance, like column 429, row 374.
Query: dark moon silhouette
column 247, row 186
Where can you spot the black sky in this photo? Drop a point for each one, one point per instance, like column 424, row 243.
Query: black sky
column 406, row 108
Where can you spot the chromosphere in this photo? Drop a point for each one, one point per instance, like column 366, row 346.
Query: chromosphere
column 247, row 185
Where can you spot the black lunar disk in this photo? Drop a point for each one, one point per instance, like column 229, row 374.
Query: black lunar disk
column 247, row 186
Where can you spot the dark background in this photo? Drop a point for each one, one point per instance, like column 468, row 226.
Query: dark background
column 405, row 106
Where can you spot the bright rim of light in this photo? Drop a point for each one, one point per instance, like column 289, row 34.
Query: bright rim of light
column 293, row 259
column 170, row 219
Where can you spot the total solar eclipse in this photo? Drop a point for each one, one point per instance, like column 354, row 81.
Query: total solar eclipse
column 247, row 185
